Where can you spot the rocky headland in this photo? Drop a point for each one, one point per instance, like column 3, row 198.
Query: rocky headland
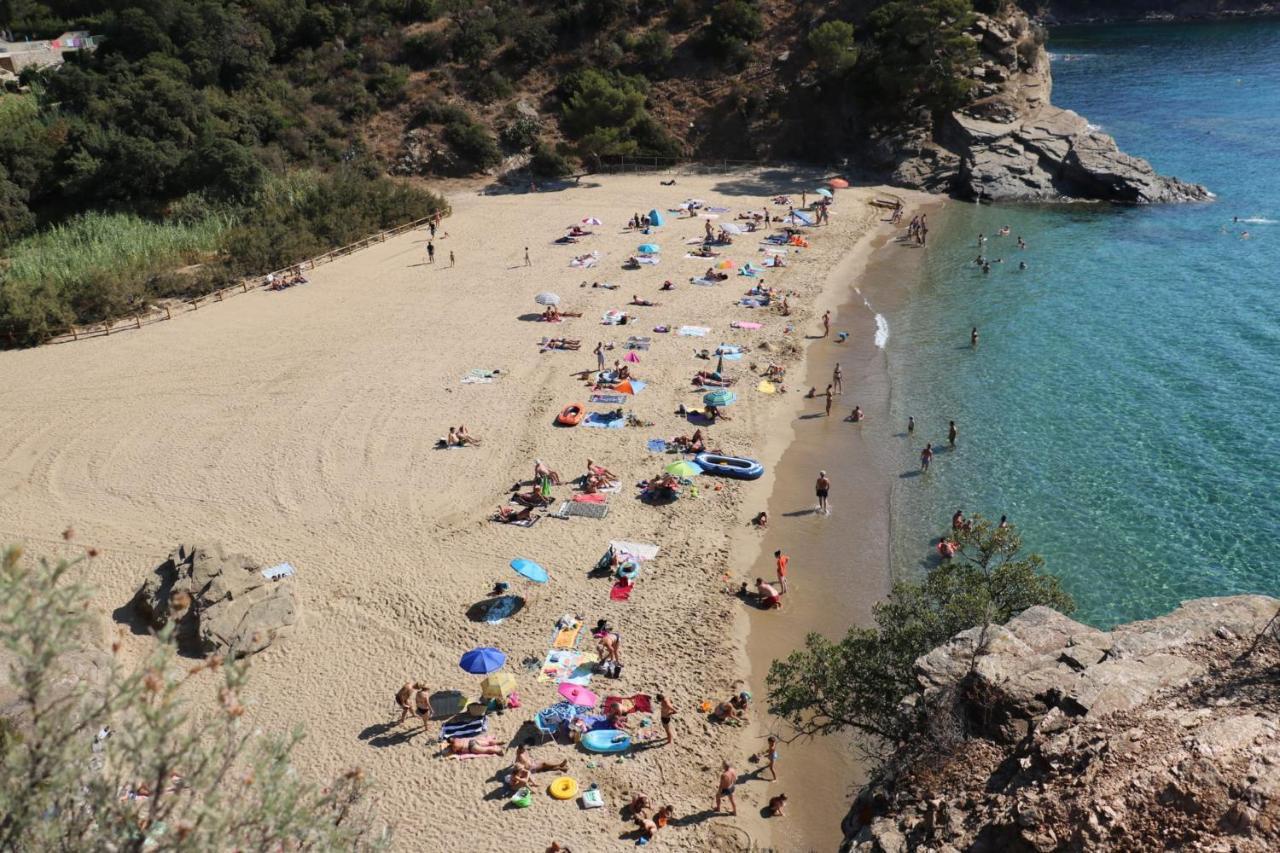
column 1010, row 143
column 1052, row 735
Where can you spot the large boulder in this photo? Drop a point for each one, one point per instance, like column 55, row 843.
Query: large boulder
column 220, row 603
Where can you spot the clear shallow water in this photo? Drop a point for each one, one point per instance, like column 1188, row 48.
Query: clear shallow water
column 1123, row 407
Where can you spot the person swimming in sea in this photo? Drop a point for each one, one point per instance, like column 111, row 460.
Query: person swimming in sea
column 973, row 337
column 1022, row 265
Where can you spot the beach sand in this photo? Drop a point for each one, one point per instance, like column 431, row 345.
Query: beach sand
column 302, row 425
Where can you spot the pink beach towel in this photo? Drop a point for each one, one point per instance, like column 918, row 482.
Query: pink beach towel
column 621, row 591
column 632, row 357
column 739, row 325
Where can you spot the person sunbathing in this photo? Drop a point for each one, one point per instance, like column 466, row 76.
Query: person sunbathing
column 649, row 827
column 542, row 469
column 714, row 414
column 531, row 498
column 525, row 759
column 705, row 251
column 605, row 286
column 507, row 515
column 482, row 745
column 638, row 806
column 631, row 263
column 465, row 437
column 601, row 472
column 560, row 343
column 667, row 285
column 725, row 712
column 636, row 300
column 774, row 371
column 451, row 440
column 566, row 239
column 704, row 377
column 551, row 315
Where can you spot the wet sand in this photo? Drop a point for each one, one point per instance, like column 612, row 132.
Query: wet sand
column 839, row 563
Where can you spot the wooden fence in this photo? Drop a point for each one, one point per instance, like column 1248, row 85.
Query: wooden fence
column 160, row 314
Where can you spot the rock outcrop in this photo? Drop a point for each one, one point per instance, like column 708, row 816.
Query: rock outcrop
column 1011, row 144
column 221, row 603
column 1158, row 734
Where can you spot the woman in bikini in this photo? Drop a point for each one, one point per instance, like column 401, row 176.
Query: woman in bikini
column 482, row 745
column 422, row 705
column 403, row 697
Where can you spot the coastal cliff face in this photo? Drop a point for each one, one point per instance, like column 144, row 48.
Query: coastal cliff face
column 1011, row 144
column 1157, row 734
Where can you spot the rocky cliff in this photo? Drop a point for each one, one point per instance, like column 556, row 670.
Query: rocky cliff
column 1011, row 144
column 1156, row 735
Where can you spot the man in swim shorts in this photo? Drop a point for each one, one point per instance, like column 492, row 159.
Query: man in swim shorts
column 823, row 488
column 727, row 784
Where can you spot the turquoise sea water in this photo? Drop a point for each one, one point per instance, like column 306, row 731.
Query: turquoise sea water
column 1123, row 407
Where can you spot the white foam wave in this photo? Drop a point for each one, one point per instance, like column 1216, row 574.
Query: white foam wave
column 1258, row 220
column 882, row 331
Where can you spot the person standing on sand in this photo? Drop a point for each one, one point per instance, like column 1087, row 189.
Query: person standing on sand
column 527, row 262
column 770, row 756
column 973, row 337
column 725, row 787
column 665, row 712
column 926, row 456
column 829, row 397
column 837, row 379
column 823, row 488
column 451, row 257
column 911, row 425
column 431, row 252
column 783, row 561
column 432, row 226
column 826, row 323
column 952, row 433
column 599, row 356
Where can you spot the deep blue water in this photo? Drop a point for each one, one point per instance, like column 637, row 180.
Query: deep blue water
column 1123, row 406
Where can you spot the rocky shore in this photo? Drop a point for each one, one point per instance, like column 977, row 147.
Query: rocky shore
column 1052, row 735
column 1162, row 11
column 1012, row 144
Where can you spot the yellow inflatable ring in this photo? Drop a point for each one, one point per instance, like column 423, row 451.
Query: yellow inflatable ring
column 564, row 788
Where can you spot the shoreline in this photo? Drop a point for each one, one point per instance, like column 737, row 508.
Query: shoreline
column 832, row 586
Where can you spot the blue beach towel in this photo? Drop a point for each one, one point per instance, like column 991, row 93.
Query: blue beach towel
column 601, row 421
column 657, row 445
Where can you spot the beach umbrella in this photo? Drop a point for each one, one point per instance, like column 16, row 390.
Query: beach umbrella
column 546, row 298
column 529, row 569
column 730, row 228
column 577, row 694
column 591, row 220
column 719, row 397
column 839, row 183
column 500, row 685
column 648, row 248
column 726, row 264
column 720, row 364
column 683, row 469
column 655, row 218
column 802, row 218
column 482, row 661
column 822, row 191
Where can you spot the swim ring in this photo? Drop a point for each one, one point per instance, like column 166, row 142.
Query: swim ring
column 571, row 415
column 628, row 569
column 563, row 788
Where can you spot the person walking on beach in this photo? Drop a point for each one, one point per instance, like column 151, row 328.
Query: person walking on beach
column 952, row 433
column 911, row 425
column 432, row 226
column 431, row 252
column 926, row 456
column 451, row 257
column 830, row 396
column 823, row 488
column 725, row 786
column 837, row 379
column 665, row 712
column 973, row 337
column 527, row 262
column 783, row 561
column 599, row 356
column 826, row 323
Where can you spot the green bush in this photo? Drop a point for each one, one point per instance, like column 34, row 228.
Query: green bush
column 606, row 114
column 653, row 52
column 387, row 83
column 473, row 36
column 519, row 134
column 439, row 112
column 916, row 56
column 490, row 86
column 733, row 25
column 425, row 50
column 548, row 163
column 833, row 47
column 473, row 144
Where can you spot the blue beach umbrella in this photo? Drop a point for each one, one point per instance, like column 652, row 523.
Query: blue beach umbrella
column 648, row 249
column 822, row 191
column 655, row 218
column 719, row 397
column 482, row 661
column 529, row 569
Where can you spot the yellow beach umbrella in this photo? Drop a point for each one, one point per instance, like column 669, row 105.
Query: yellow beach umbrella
column 499, row 685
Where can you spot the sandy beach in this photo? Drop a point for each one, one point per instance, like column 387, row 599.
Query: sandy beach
column 302, row 426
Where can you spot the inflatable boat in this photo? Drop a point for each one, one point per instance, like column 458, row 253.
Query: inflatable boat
column 606, row 740
column 572, row 414
column 738, row 467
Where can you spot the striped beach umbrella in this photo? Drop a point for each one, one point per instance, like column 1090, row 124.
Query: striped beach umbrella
column 719, row 397
column 546, row 298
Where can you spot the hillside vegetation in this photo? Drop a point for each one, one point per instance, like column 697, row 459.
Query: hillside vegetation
column 270, row 127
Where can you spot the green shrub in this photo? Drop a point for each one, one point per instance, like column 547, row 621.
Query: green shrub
column 833, row 47
column 733, row 25
column 387, row 83
column 653, row 52
column 473, row 36
column 548, row 163
column 439, row 112
column 473, row 144
column 606, row 114
column 531, row 40
column 425, row 50
column 490, row 86
column 519, row 134
column 916, row 56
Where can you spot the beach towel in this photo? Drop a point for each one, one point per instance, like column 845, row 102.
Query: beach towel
column 704, row 282
column 569, row 508
column 638, row 550
column 470, row 727
column 476, row 380
column 482, row 373
column 750, row 302
column 767, row 387
column 694, row 331
column 690, row 256
column 613, row 317
column 566, row 638
column 631, row 357
column 742, row 325
column 608, row 398
column 621, row 591
column 657, row 445
column 601, row 420
column 586, row 261
column 274, row 573
column 524, row 522
column 572, row 666
column 634, row 342
column 773, row 262
column 648, row 260
column 595, row 498
column 639, row 703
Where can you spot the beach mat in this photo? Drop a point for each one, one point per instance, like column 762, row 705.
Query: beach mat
column 693, row 331
column 274, row 573
column 566, row 638
column 703, row 282
column 638, row 343
column 572, row 666
column 597, row 420
column 477, row 380
column 657, row 445
column 767, row 387
column 526, row 522
column 620, row 592
column 640, row 550
column 569, row 508
column 608, row 398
